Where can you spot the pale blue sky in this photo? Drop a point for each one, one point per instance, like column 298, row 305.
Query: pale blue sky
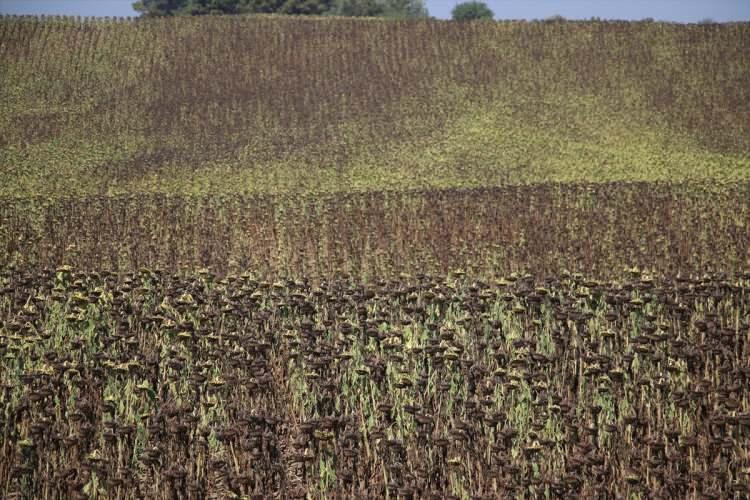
column 666, row 10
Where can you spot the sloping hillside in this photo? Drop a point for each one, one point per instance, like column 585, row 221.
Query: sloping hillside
column 268, row 105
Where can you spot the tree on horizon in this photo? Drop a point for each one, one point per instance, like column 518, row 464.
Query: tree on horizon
column 472, row 11
column 350, row 8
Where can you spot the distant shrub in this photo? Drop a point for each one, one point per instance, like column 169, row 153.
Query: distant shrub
column 557, row 18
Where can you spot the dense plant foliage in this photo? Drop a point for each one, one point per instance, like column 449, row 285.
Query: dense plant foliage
column 255, row 257
column 472, row 11
column 151, row 385
column 236, row 104
column 601, row 229
column 387, row 8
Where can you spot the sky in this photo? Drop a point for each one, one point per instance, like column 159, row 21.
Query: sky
column 684, row 11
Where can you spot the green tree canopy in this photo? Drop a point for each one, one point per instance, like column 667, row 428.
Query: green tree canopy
column 358, row 8
column 405, row 8
column 203, row 7
column 470, row 11
column 388, row 8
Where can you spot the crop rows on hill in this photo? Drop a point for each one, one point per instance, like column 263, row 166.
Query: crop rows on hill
column 237, row 104
column 252, row 257
column 228, row 74
column 598, row 229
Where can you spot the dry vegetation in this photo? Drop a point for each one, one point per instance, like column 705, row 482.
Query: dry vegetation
column 598, row 228
column 237, row 104
column 258, row 257
column 154, row 385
